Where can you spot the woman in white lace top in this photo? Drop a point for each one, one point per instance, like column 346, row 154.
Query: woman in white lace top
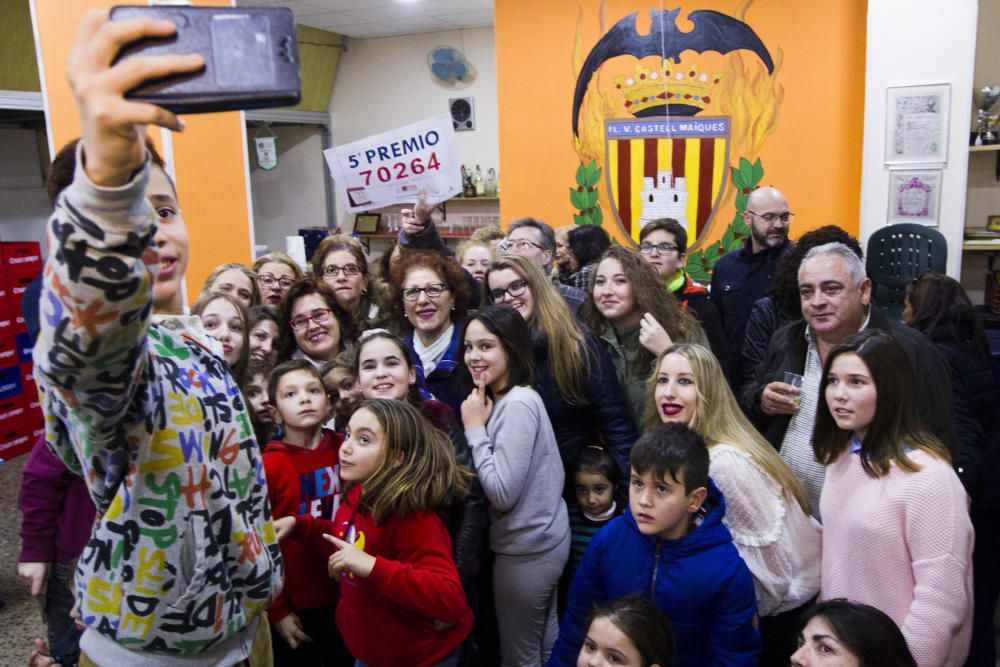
column 766, row 508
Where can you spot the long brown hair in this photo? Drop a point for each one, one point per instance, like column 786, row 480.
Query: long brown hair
column 286, row 336
column 937, row 300
column 719, row 420
column 897, row 425
column 552, row 318
column 417, row 469
column 648, row 296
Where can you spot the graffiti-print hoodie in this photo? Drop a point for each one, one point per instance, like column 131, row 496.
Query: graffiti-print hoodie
column 183, row 558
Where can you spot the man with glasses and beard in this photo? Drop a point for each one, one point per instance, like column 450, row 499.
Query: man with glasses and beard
column 743, row 276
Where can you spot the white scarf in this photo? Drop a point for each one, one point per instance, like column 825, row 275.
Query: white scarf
column 430, row 355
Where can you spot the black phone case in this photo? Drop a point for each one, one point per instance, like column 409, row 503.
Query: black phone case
column 251, row 58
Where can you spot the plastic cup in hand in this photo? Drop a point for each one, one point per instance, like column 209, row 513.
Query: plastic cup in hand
column 795, row 380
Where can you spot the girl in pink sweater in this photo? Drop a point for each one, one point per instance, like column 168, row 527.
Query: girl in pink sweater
column 896, row 529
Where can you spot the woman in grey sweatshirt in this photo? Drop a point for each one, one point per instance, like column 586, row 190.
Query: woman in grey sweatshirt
column 518, row 463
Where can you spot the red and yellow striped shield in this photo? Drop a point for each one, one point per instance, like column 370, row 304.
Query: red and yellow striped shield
column 672, row 167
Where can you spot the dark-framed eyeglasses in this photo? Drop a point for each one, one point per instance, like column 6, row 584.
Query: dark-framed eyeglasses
column 319, row 316
column 432, row 291
column 268, row 280
column 524, row 245
column 771, row 218
column 647, row 248
column 515, row 289
column 350, row 270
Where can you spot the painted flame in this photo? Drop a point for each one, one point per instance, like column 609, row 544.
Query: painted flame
column 589, row 144
column 752, row 98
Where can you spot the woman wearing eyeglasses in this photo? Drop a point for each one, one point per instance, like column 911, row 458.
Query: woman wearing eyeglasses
column 276, row 272
column 313, row 325
column 340, row 262
column 430, row 297
column 573, row 372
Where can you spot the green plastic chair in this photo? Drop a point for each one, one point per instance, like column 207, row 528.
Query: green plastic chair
column 896, row 255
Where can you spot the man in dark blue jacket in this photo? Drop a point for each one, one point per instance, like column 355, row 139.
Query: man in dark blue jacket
column 672, row 547
column 741, row 277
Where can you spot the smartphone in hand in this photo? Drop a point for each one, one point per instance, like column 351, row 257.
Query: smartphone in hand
column 251, row 58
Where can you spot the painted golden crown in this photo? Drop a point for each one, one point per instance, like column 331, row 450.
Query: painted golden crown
column 682, row 89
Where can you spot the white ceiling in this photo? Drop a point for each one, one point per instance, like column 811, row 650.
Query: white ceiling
column 380, row 18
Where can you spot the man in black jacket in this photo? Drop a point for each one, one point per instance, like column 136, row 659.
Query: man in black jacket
column 836, row 303
column 741, row 277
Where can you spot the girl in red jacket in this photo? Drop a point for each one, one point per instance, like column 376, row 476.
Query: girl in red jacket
column 390, row 550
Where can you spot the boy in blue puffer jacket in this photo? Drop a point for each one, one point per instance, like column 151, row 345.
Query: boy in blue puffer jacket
column 672, row 547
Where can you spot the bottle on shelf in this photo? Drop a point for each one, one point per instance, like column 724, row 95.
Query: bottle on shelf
column 491, row 182
column 468, row 189
column 478, row 182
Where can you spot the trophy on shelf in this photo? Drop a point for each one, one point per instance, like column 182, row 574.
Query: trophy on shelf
column 987, row 114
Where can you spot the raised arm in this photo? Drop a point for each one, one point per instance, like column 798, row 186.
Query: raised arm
column 419, row 231
column 97, row 287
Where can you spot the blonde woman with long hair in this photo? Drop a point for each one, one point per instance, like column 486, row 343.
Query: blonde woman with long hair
column 573, row 372
column 767, row 510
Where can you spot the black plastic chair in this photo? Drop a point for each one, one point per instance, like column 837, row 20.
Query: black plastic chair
column 896, row 255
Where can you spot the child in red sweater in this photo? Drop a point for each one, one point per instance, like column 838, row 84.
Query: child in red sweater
column 401, row 600
column 303, row 478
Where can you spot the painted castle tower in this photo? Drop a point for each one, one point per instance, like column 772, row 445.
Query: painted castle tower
column 667, row 198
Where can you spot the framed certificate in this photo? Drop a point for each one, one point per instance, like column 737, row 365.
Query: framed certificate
column 366, row 223
column 914, row 196
column 916, row 128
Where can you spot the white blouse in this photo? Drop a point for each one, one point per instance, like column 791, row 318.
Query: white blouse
column 779, row 542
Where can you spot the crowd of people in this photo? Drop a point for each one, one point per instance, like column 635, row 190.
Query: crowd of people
column 544, row 449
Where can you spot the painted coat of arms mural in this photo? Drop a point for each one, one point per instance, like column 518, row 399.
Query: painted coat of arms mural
column 669, row 124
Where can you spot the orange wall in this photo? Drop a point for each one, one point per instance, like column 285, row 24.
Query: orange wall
column 209, row 157
column 814, row 154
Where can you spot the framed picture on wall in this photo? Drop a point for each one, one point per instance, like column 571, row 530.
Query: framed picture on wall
column 914, row 196
column 366, row 223
column 916, row 127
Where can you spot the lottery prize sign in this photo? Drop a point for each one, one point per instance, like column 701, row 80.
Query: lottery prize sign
column 392, row 167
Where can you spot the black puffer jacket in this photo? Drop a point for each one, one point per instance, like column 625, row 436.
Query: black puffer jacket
column 604, row 420
column 787, row 352
column 975, row 394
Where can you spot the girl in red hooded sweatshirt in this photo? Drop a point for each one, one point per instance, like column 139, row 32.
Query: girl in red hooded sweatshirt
column 388, row 546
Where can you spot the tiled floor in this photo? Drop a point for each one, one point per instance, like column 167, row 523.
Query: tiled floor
column 20, row 616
